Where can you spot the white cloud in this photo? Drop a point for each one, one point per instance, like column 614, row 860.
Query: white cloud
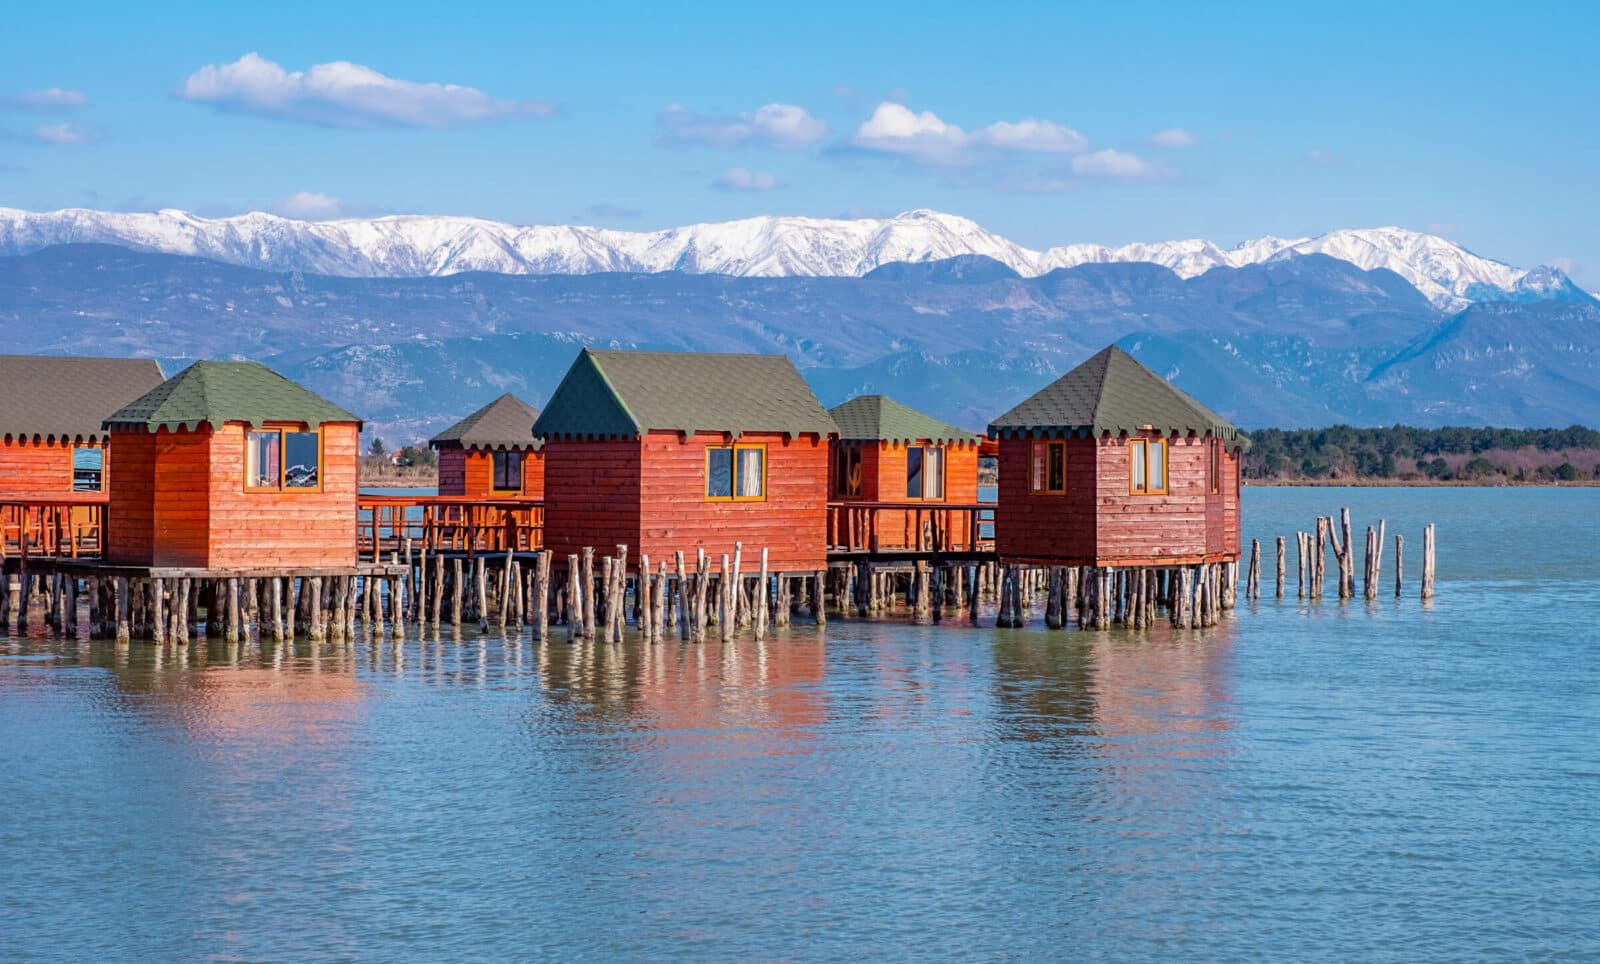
column 894, row 128
column 49, row 98
column 783, row 127
column 342, row 94
column 744, row 179
column 1031, row 135
column 69, row 134
column 1174, row 137
column 1110, row 163
column 309, row 206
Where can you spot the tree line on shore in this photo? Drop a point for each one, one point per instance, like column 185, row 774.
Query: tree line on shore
column 1407, row 454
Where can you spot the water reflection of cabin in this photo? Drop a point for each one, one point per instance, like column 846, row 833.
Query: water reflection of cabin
column 492, row 454
column 52, row 446
column 670, row 451
column 888, row 455
column 229, row 465
column 1111, row 465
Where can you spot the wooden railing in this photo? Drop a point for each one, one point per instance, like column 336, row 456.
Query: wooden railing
column 60, row 529
column 447, row 524
column 910, row 527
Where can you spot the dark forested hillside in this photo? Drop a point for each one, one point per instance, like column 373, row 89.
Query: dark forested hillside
column 1403, row 453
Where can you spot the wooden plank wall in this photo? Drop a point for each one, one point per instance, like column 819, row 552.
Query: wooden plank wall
column 42, row 470
column 791, row 524
column 1151, row 529
column 1044, row 528
column 130, row 511
column 453, row 472
column 591, row 495
column 287, row 529
column 470, row 473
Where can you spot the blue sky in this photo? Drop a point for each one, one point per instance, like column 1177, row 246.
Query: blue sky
column 1040, row 121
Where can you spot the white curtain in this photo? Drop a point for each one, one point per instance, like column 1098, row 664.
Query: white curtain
column 752, row 473
column 934, row 484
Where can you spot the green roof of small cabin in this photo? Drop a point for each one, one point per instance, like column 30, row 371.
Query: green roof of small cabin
column 879, row 418
column 622, row 394
column 1111, row 392
column 217, row 392
column 505, row 423
column 66, row 397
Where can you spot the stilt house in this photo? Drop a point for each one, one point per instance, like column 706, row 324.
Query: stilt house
column 231, row 466
column 669, row 451
column 1110, row 465
column 889, row 453
column 52, row 445
column 492, row 454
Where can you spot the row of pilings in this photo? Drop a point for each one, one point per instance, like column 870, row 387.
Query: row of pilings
column 1311, row 561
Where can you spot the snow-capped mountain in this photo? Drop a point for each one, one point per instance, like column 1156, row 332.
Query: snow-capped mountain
column 421, row 246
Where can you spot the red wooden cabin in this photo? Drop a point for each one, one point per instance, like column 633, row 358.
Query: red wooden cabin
column 668, row 451
column 1110, row 465
column 492, row 454
column 229, row 466
column 887, row 455
column 52, row 446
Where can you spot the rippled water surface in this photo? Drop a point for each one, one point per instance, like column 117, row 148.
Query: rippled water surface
column 1306, row 781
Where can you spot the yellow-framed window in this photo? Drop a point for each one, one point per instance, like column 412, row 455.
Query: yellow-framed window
column 925, row 472
column 1049, row 475
column 1147, row 466
column 281, row 459
column 507, row 471
column 736, row 473
column 88, row 468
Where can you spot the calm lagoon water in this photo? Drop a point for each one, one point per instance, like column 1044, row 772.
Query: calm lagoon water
column 1305, row 782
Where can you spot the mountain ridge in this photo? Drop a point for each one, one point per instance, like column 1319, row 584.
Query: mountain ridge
column 410, row 245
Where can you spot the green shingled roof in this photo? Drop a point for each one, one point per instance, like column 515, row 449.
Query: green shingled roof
column 879, row 418
column 58, row 397
column 1111, row 392
column 222, row 391
column 621, row 394
column 505, row 423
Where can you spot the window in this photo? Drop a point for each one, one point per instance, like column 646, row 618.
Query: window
column 1216, row 466
column 508, row 471
column 1147, row 466
column 736, row 473
column 88, row 469
column 1049, row 467
column 847, row 470
column 282, row 459
column 924, row 472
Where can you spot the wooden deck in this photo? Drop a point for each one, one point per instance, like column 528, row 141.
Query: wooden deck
column 68, row 529
column 908, row 531
column 448, row 525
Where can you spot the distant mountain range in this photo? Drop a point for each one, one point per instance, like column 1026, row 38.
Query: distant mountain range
column 1294, row 339
column 416, row 246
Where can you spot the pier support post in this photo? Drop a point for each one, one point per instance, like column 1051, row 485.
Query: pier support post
column 124, row 632
column 1427, row 562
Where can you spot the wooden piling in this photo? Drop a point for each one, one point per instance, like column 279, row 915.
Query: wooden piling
column 1399, row 562
column 1427, row 562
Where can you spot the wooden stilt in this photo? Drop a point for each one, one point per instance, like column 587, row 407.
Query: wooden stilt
column 1427, row 562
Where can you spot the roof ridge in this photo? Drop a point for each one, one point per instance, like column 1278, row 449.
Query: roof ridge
column 622, row 403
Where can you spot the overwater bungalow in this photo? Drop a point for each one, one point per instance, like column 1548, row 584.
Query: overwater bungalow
column 52, row 445
column 492, row 454
column 889, row 455
column 1112, row 466
column 674, row 451
column 229, row 465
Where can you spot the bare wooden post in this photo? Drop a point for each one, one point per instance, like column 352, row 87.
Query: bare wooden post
column 608, row 612
column 644, row 600
column 1427, row 562
column 541, row 595
column 180, row 612
column 1347, row 566
column 311, row 588
column 1282, row 552
column 761, row 605
column 574, row 597
column 739, row 614
column 1399, row 562
column 397, row 605
column 588, row 593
